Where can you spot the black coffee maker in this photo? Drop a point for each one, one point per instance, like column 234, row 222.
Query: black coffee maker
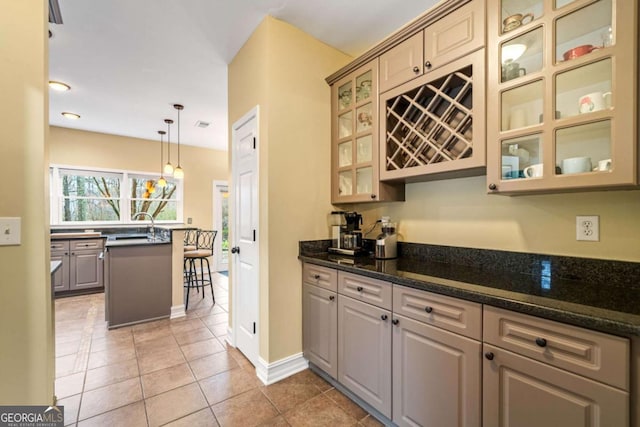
column 346, row 233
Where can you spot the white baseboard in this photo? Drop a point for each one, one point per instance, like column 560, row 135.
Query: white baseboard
column 177, row 311
column 270, row 373
column 230, row 338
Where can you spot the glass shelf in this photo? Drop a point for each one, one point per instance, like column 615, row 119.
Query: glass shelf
column 584, row 90
column 522, row 157
column 584, row 31
column 522, row 106
column 522, row 55
column 580, row 149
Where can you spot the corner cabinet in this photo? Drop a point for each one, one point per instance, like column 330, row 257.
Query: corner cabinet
column 354, row 150
column 562, row 98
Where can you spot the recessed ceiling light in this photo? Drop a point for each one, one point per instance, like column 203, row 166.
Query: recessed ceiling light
column 58, row 86
column 202, row 124
column 72, row 116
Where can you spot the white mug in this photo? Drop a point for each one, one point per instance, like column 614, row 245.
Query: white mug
column 594, row 101
column 603, row 165
column 533, row 171
column 576, row 165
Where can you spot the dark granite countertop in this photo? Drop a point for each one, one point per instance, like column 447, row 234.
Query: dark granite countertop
column 607, row 307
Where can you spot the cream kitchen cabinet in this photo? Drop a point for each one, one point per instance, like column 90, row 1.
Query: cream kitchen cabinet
column 449, row 38
column 437, row 374
column 320, row 318
column 364, row 339
column 562, row 86
column 354, row 149
column 539, row 372
column 434, row 126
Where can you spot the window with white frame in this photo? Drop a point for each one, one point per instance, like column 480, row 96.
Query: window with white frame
column 89, row 196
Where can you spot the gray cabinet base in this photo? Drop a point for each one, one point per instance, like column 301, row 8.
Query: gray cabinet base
column 139, row 284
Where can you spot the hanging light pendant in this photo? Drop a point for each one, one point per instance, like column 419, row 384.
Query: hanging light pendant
column 168, row 168
column 161, row 182
column 178, row 173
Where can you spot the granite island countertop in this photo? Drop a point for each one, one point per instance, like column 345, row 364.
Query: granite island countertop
column 606, row 307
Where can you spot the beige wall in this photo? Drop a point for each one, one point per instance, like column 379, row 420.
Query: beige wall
column 459, row 212
column 26, row 326
column 201, row 165
column 283, row 70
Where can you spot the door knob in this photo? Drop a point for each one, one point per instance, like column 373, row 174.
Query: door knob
column 235, row 250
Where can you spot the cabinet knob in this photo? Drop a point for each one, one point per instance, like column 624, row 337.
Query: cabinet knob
column 428, row 65
column 384, row 317
column 493, row 187
column 359, row 288
column 541, row 342
column 316, row 276
column 66, row 253
column 373, row 196
column 489, row 355
column 428, row 309
column 235, row 250
column 416, row 70
column 331, row 298
column 395, row 321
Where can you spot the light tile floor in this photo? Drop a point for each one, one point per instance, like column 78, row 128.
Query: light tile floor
column 179, row 373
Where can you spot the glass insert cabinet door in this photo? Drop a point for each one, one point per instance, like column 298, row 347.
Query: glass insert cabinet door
column 561, row 76
column 355, row 138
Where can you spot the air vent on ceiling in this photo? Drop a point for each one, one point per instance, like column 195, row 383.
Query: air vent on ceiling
column 202, row 124
column 55, row 16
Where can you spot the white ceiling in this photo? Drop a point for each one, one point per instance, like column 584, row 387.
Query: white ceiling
column 128, row 61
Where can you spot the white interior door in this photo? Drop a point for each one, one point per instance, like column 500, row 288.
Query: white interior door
column 244, row 257
column 221, row 223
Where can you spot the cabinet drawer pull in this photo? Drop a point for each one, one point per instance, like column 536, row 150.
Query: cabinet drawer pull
column 359, row 288
column 384, row 317
column 541, row 342
column 428, row 309
column 416, row 70
column 316, row 276
column 331, row 298
column 489, row 355
column 395, row 321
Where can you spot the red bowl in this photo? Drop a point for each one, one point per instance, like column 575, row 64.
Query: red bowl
column 579, row 51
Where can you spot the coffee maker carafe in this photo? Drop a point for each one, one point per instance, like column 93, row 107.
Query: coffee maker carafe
column 346, row 236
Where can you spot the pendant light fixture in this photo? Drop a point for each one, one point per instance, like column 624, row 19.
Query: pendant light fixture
column 161, row 182
column 168, row 168
column 178, row 173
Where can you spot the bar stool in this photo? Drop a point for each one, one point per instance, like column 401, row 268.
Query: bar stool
column 204, row 249
column 190, row 243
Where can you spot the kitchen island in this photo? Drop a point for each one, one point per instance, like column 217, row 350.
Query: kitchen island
column 138, row 281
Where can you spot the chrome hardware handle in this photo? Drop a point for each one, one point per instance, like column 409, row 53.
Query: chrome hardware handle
column 493, row 187
column 428, row 65
column 416, row 70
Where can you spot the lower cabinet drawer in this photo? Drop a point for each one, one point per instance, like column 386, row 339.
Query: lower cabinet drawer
column 59, row 245
column 592, row 354
column 323, row 277
column 366, row 289
column 453, row 314
column 86, row 244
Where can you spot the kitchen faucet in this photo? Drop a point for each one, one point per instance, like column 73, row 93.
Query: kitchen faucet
column 152, row 229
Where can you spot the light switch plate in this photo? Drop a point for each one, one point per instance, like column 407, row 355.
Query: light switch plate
column 9, row 231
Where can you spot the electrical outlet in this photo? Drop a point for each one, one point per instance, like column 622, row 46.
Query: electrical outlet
column 189, row 220
column 588, row 228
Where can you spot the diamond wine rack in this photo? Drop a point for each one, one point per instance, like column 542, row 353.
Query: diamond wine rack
column 431, row 123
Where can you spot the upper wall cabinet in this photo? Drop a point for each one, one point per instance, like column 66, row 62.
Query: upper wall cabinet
column 449, row 38
column 562, row 95
column 354, row 151
column 435, row 124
